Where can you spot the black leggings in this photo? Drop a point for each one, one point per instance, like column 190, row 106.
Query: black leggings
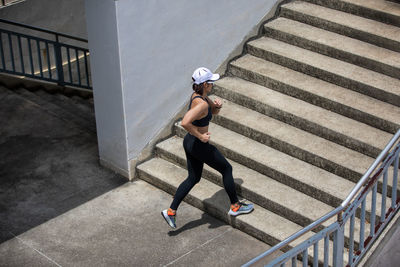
column 198, row 153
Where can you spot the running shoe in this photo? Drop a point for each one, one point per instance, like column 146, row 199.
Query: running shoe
column 169, row 218
column 240, row 208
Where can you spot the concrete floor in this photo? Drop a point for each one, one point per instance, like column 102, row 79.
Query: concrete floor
column 59, row 207
column 124, row 228
column 47, row 166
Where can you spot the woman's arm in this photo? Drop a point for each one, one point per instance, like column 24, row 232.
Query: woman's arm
column 193, row 114
column 216, row 105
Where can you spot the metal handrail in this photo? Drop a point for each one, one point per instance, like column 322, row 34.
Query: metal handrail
column 44, row 59
column 295, row 236
column 336, row 212
column 374, row 165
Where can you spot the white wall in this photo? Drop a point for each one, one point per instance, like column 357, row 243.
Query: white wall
column 154, row 45
column 107, row 87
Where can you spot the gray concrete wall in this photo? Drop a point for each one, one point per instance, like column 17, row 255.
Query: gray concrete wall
column 154, row 47
column 108, row 92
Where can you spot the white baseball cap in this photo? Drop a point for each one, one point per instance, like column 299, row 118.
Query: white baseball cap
column 202, row 75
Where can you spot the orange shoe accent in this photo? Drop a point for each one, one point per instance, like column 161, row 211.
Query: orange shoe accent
column 235, row 207
column 171, row 212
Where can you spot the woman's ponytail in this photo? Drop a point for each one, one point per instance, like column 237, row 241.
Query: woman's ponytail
column 198, row 88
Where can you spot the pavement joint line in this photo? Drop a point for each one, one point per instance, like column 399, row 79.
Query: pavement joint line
column 202, row 245
column 26, row 244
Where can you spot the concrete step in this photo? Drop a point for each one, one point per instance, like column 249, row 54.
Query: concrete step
column 380, row 10
column 315, row 91
column 306, row 178
column 364, row 29
column 68, row 104
column 293, row 141
column 341, row 73
column 264, row 225
column 298, row 147
column 260, row 189
column 326, row 124
column 338, row 46
column 307, row 147
column 327, row 95
column 56, row 110
column 254, row 186
column 261, row 223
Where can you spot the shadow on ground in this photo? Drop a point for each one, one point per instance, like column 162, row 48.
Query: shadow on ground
column 47, row 166
column 219, row 198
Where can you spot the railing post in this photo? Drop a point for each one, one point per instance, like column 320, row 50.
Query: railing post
column 59, row 65
column 340, row 217
column 338, row 243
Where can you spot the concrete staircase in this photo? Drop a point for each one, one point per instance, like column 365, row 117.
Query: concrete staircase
column 307, row 108
column 70, row 107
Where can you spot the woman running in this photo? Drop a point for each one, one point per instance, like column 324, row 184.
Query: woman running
column 199, row 151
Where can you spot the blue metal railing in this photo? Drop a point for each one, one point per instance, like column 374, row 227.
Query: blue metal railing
column 388, row 162
column 44, row 59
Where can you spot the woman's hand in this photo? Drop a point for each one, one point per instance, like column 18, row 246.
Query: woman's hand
column 218, row 103
column 205, row 137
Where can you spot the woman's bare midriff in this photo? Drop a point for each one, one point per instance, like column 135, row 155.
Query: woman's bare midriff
column 203, row 129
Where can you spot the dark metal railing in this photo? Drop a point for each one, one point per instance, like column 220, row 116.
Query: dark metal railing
column 39, row 57
column 385, row 168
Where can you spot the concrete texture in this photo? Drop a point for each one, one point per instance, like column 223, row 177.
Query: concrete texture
column 67, row 109
column 298, row 174
column 117, row 227
column 58, row 207
column 123, row 36
column 300, row 144
column 317, row 120
column 335, row 45
column 107, row 82
column 385, row 252
column 47, row 166
column 212, row 198
column 381, row 10
column 124, row 227
column 366, row 109
column 305, row 146
column 261, row 223
column 330, row 69
column 253, row 185
column 268, row 156
column 367, row 30
column 305, row 180
column 262, row 190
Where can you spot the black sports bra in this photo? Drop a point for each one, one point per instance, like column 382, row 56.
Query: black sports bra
column 203, row 121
